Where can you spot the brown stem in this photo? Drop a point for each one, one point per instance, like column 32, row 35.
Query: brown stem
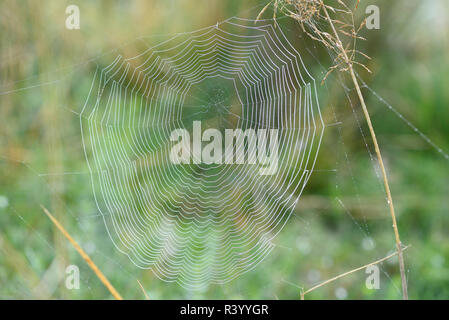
column 377, row 149
column 303, row 293
column 84, row 255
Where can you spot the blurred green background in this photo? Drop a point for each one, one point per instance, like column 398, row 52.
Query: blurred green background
column 341, row 221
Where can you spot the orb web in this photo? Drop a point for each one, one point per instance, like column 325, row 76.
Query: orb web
column 200, row 223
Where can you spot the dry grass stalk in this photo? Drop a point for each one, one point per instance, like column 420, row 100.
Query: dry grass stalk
column 143, row 290
column 310, row 14
column 84, row 255
column 350, row 272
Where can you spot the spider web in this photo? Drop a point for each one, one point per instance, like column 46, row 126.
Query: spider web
column 168, row 107
column 200, row 223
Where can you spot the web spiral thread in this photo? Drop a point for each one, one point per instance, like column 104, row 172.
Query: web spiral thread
column 198, row 224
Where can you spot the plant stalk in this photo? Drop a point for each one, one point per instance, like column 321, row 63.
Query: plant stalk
column 303, row 293
column 378, row 154
column 84, row 255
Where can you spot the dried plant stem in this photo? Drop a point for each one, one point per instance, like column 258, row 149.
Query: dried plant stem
column 349, row 272
column 377, row 149
column 143, row 290
column 84, row 255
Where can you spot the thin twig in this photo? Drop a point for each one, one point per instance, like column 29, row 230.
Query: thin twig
column 378, row 153
column 262, row 11
column 307, row 13
column 143, row 290
column 84, row 255
column 349, row 272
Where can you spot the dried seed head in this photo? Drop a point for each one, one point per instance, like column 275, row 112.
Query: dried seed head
column 305, row 11
column 337, row 31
